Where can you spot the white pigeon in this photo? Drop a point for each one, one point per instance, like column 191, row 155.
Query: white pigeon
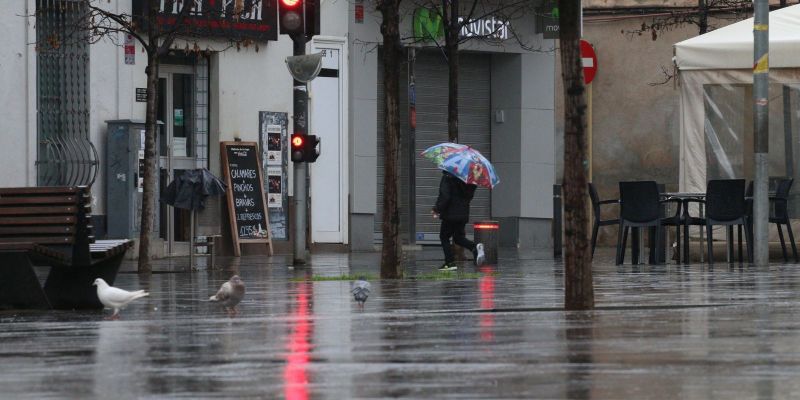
column 360, row 291
column 230, row 294
column 115, row 298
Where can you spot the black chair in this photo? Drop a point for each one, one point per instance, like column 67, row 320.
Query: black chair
column 779, row 210
column 726, row 205
column 598, row 221
column 779, row 214
column 640, row 207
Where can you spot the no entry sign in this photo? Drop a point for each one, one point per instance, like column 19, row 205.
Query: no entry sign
column 589, row 61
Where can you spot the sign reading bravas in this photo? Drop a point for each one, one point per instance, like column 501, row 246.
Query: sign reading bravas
column 246, row 206
column 232, row 19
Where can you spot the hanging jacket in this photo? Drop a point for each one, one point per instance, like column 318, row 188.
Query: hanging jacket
column 454, row 198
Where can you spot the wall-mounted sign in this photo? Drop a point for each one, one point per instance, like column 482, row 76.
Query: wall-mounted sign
column 547, row 19
column 141, row 95
column 130, row 50
column 487, row 27
column 359, row 11
column 428, row 25
column 232, row 19
column 274, row 139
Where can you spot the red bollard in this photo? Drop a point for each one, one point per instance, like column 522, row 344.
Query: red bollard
column 487, row 232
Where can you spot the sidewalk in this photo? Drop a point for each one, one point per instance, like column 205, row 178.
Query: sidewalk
column 660, row 332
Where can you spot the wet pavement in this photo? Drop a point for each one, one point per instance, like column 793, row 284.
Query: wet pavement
column 659, row 332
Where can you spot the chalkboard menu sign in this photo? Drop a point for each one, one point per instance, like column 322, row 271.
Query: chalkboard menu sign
column 246, row 206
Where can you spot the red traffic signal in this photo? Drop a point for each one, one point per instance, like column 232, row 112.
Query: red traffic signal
column 305, row 148
column 298, row 148
column 291, row 16
column 298, row 17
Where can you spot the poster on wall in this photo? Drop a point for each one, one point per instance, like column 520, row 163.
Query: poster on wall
column 275, row 187
column 274, row 140
column 140, row 176
column 274, row 145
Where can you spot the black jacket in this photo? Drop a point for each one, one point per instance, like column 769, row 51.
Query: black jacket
column 454, row 197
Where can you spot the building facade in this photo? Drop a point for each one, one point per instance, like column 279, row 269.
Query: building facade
column 211, row 92
column 506, row 111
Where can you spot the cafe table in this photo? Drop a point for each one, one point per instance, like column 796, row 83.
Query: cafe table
column 685, row 198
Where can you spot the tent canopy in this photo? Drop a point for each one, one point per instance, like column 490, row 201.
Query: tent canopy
column 716, row 103
column 731, row 47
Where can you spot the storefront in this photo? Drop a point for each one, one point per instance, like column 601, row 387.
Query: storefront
column 209, row 91
column 506, row 111
column 419, row 178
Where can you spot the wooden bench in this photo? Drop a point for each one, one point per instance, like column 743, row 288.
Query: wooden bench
column 51, row 226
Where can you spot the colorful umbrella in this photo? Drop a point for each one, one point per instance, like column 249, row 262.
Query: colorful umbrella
column 464, row 162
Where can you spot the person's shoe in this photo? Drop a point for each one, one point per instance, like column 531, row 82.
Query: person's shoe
column 480, row 256
column 448, row 267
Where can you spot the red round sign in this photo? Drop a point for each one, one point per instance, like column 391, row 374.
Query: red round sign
column 589, row 61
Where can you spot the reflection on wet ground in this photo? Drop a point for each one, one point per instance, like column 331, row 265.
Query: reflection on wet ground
column 663, row 332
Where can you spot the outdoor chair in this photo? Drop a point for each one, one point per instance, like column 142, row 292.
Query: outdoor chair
column 725, row 205
column 640, row 207
column 779, row 210
column 598, row 221
column 779, row 214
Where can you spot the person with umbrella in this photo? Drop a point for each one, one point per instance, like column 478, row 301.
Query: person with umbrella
column 464, row 168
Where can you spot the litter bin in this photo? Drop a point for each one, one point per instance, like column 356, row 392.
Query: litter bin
column 487, row 232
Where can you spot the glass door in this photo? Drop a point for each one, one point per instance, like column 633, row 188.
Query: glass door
column 176, row 149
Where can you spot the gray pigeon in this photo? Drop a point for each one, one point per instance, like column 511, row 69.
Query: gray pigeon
column 360, row 290
column 230, row 294
column 115, row 298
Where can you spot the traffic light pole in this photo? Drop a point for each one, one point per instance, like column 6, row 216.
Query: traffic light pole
column 300, row 124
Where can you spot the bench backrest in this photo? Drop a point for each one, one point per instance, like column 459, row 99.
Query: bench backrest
column 56, row 217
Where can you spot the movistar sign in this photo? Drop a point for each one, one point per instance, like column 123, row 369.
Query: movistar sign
column 428, row 25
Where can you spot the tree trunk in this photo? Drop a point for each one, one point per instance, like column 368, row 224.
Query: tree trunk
column 702, row 7
column 148, row 191
column 392, row 52
column 451, row 49
column 578, row 286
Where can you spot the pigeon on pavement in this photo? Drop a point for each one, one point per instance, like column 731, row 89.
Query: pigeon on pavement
column 360, row 291
column 230, row 294
column 115, row 298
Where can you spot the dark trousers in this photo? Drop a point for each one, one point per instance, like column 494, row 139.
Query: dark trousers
column 456, row 231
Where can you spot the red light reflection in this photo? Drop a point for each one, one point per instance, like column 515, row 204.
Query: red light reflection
column 295, row 373
column 486, row 287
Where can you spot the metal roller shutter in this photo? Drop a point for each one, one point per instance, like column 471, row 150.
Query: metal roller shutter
column 474, row 130
column 404, row 141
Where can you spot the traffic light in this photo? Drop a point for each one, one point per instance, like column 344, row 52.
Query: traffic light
column 312, row 149
column 305, row 148
column 297, row 17
column 298, row 147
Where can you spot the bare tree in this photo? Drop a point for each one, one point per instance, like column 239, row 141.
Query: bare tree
column 578, row 285
column 157, row 39
column 668, row 19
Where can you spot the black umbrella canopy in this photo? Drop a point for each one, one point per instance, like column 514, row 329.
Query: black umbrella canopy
column 189, row 190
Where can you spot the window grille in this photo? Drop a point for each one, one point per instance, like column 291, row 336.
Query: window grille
column 66, row 156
